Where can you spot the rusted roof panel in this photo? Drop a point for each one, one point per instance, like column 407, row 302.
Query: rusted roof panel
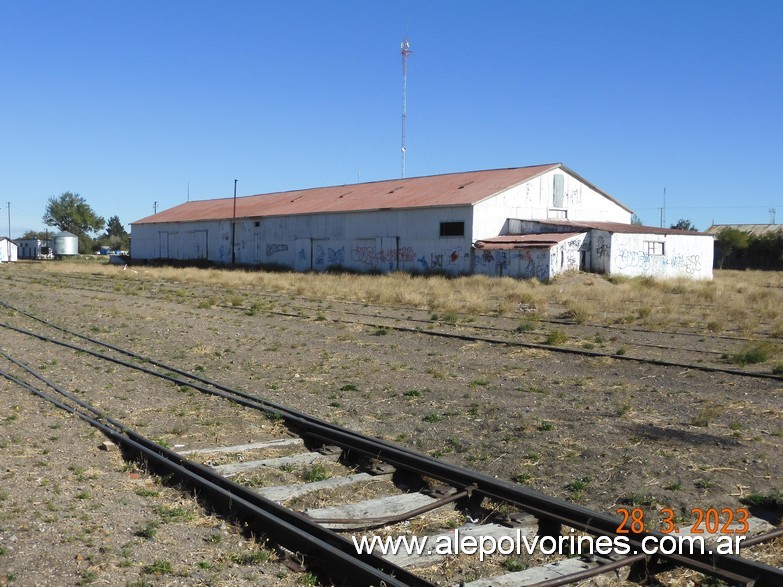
column 524, row 241
column 453, row 189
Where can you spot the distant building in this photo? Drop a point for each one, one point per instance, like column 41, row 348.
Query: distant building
column 34, row 248
column 753, row 229
column 764, row 248
column 524, row 222
column 8, row 250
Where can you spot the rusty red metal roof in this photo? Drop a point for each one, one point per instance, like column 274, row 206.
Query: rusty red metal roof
column 524, row 241
column 453, row 189
column 619, row 227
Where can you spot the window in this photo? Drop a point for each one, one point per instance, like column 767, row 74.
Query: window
column 257, row 224
column 452, row 229
column 557, row 191
column 653, row 247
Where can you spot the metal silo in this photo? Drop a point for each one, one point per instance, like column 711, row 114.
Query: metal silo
column 65, row 243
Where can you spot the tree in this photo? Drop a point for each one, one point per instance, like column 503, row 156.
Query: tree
column 115, row 228
column 683, row 224
column 70, row 213
column 635, row 219
column 39, row 234
column 116, row 236
column 730, row 240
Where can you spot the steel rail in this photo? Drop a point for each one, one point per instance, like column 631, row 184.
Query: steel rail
column 480, row 327
column 284, row 526
column 384, row 306
column 607, row 567
column 542, row 506
column 487, row 339
column 582, row 352
column 761, row 538
column 545, row 507
column 493, row 328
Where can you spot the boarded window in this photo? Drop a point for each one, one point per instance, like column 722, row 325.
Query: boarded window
column 654, row 247
column 452, row 229
column 557, row 198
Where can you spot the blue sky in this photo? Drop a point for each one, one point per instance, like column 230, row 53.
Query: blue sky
column 129, row 103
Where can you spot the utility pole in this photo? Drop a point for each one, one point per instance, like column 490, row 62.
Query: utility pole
column 155, row 208
column 9, row 220
column 663, row 209
column 405, row 50
column 234, row 228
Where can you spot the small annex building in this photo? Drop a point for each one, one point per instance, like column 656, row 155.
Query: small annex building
column 535, row 221
column 34, row 248
column 8, row 251
column 546, row 248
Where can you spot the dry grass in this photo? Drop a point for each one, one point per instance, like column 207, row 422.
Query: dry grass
column 743, row 301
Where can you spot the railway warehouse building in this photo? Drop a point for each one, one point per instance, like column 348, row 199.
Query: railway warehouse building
column 525, row 222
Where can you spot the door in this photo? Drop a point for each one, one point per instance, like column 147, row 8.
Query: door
column 163, row 245
column 303, row 251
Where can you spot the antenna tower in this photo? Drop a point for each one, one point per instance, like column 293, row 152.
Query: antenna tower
column 405, row 50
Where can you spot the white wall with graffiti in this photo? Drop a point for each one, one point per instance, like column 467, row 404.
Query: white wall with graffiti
column 187, row 241
column 440, row 238
column 543, row 263
column 657, row 255
column 600, row 251
column 389, row 240
column 632, row 252
column 553, row 195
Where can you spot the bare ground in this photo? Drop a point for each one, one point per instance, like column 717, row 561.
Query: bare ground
column 594, row 430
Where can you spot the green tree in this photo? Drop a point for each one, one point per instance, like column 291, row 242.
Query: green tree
column 683, row 224
column 730, row 240
column 115, row 228
column 71, row 213
column 39, row 234
column 116, row 237
column 635, row 219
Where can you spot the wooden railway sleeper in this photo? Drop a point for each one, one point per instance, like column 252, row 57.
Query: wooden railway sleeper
column 365, row 523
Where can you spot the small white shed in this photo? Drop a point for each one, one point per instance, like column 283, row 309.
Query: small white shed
column 631, row 249
column 8, row 251
column 34, row 248
column 542, row 255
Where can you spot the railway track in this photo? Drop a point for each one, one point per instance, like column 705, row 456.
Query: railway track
column 413, row 485
column 506, row 331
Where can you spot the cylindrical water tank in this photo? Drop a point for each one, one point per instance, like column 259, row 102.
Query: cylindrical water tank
column 65, row 243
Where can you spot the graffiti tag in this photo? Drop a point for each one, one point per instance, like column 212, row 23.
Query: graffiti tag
column 273, row 249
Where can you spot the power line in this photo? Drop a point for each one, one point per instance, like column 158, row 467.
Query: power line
column 706, row 207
